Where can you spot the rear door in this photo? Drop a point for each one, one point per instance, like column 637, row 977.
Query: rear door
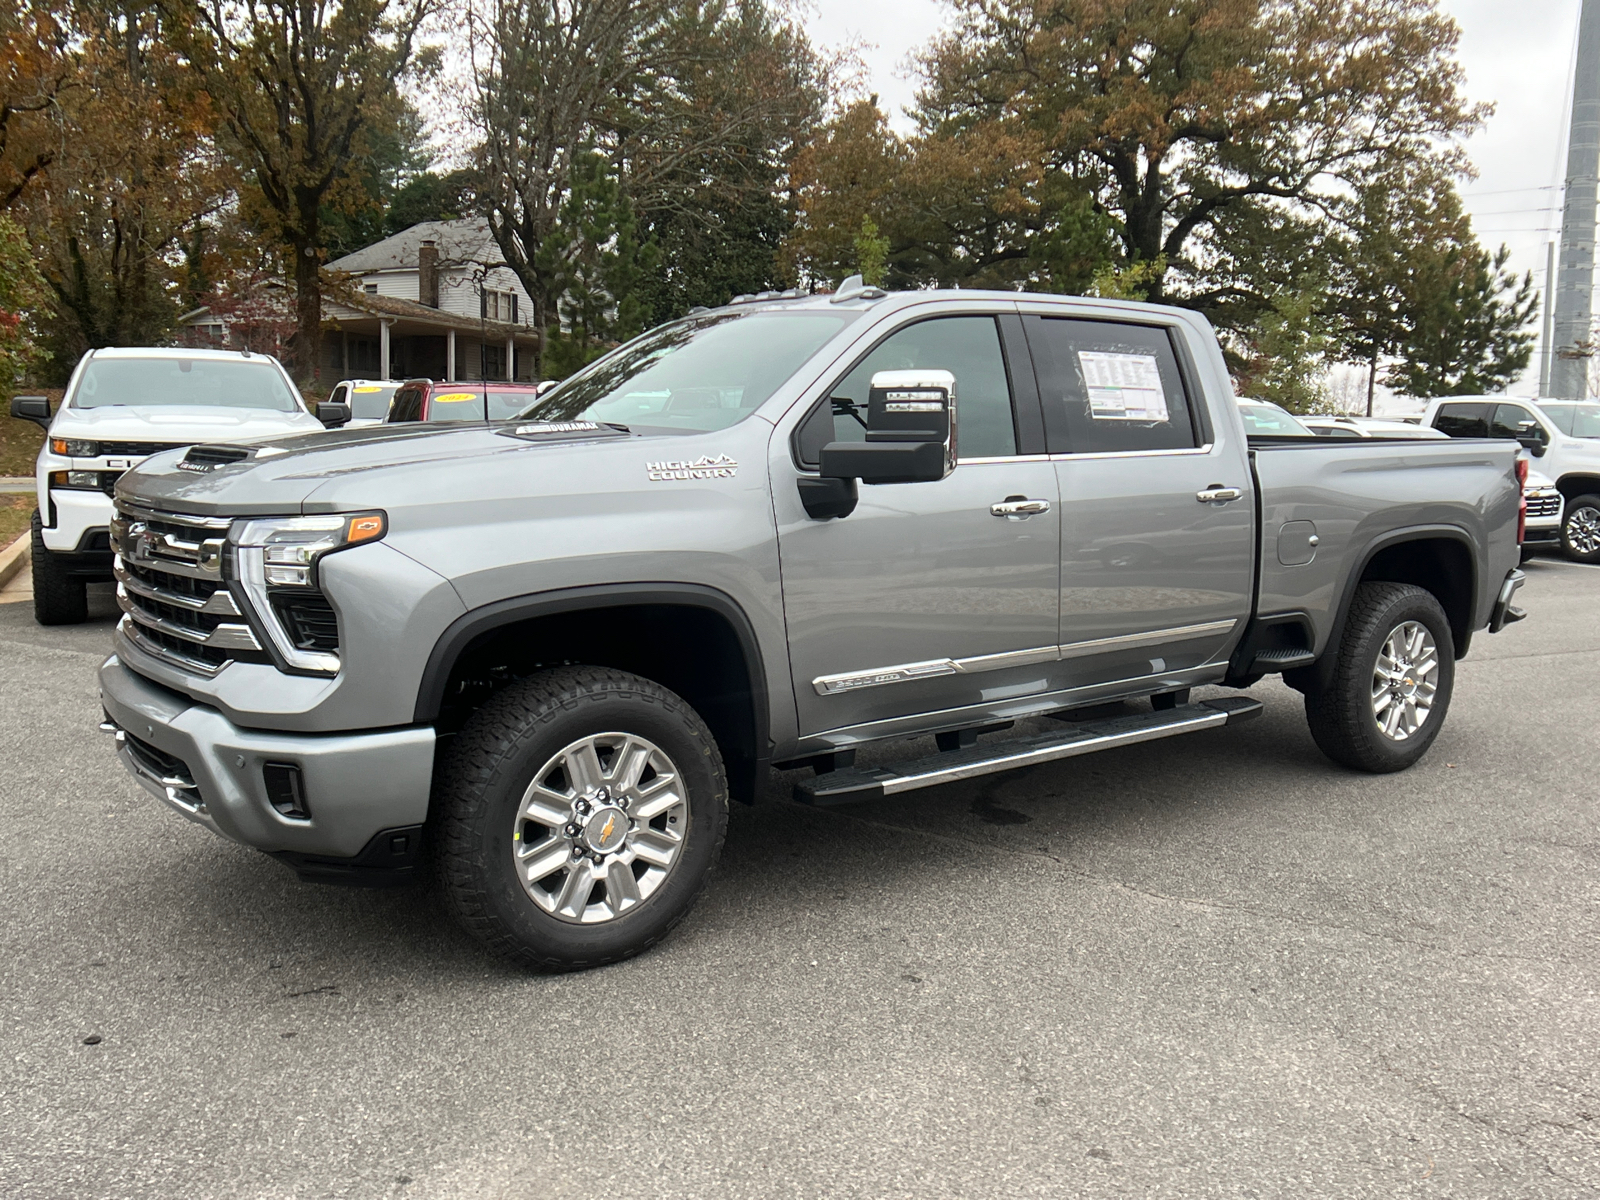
column 928, row 597
column 1158, row 513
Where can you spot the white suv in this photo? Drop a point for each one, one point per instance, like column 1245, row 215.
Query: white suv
column 122, row 405
column 368, row 399
column 1564, row 439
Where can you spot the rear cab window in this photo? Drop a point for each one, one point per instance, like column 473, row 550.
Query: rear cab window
column 1463, row 420
column 1110, row 388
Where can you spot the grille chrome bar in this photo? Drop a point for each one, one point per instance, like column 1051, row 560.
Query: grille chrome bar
column 155, row 650
column 219, row 603
column 223, row 637
column 140, row 512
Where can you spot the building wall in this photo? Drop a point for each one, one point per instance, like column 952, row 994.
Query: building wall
column 458, row 289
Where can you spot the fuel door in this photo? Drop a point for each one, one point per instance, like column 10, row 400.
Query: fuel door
column 1297, row 543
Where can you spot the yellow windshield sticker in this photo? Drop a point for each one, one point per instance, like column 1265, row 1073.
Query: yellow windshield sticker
column 455, row 397
column 368, row 389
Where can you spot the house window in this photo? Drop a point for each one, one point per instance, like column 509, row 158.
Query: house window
column 500, row 306
column 370, row 289
column 494, row 362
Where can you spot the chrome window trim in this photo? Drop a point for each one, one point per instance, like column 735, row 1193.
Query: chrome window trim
column 853, row 681
column 1002, row 458
column 1206, row 449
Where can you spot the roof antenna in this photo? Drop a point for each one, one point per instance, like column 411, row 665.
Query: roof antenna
column 855, row 288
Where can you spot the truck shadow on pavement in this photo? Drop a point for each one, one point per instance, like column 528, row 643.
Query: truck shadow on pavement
column 784, row 864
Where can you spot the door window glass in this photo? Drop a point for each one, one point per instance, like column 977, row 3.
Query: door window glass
column 967, row 347
column 1109, row 387
column 1514, row 421
column 407, row 405
column 1463, row 420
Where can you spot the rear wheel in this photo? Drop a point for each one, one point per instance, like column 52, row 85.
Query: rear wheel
column 581, row 811
column 58, row 598
column 1392, row 680
column 1580, row 529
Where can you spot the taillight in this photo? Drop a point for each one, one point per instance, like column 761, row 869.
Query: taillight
column 1522, row 505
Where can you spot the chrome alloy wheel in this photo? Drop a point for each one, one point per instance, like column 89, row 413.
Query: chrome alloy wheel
column 600, row 827
column 1583, row 530
column 1404, row 681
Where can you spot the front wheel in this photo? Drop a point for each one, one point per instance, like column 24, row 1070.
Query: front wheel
column 580, row 811
column 1580, row 529
column 58, row 598
column 1392, row 680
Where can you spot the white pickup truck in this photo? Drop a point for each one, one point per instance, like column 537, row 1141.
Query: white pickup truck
column 122, row 405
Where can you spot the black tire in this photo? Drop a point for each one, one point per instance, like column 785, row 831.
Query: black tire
column 480, row 785
column 1585, row 510
column 58, row 598
column 1342, row 716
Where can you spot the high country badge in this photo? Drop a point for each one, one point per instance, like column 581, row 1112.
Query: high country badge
column 720, row 467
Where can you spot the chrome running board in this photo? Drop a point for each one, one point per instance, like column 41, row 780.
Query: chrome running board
column 872, row 783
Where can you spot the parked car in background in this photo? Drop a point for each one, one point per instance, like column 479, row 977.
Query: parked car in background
column 1544, row 512
column 120, row 406
column 1262, row 418
column 1368, row 427
column 440, row 402
column 368, row 399
column 1572, row 460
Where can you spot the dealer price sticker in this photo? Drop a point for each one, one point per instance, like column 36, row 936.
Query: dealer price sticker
column 1123, row 387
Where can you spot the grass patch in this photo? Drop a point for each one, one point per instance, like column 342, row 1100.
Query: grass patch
column 20, row 440
column 15, row 513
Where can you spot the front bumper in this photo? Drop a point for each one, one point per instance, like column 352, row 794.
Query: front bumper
column 1504, row 612
column 363, row 791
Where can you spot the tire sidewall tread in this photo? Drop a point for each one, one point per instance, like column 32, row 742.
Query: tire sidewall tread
column 1340, row 715
column 58, row 598
column 481, row 778
column 1577, row 502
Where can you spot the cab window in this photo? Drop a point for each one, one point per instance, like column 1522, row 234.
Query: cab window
column 967, row 347
column 1108, row 387
column 1463, row 420
column 1514, row 421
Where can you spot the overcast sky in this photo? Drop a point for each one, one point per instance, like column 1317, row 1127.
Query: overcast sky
column 1517, row 56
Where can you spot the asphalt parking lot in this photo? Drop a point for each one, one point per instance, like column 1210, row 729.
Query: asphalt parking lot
column 1212, row 967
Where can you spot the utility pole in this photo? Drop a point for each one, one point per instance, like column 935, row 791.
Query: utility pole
column 1569, row 368
column 1549, row 322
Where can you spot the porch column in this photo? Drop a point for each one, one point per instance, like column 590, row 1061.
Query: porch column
column 450, row 355
column 344, row 353
column 511, row 359
column 383, row 350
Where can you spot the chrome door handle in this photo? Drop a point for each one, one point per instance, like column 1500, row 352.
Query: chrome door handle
column 1019, row 507
column 1217, row 495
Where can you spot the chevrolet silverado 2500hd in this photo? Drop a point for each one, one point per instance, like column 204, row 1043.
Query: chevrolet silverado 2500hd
column 552, row 648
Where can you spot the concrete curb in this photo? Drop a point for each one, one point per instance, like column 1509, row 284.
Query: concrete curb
column 14, row 557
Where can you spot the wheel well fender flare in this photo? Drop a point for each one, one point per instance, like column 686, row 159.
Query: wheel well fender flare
column 1575, row 483
column 1320, row 672
column 474, row 624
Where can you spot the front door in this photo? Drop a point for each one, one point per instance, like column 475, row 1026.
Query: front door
column 1157, row 534
column 929, row 596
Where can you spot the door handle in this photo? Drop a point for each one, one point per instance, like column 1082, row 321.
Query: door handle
column 1019, row 506
column 1217, row 494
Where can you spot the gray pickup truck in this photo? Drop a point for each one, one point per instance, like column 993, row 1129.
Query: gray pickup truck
column 543, row 654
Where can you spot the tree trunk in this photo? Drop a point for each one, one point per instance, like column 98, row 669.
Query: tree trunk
column 305, row 349
column 1372, row 375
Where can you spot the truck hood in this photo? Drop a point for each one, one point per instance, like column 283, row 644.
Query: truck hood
column 402, row 466
column 178, row 423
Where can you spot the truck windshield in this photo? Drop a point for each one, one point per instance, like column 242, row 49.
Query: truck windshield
column 1264, row 418
column 210, row 382
column 370, row 401
column 703, row 373
column 1575, row 420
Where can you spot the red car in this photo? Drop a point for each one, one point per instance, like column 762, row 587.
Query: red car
column 475, row 400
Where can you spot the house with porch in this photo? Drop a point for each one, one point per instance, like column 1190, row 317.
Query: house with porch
column 435, row 300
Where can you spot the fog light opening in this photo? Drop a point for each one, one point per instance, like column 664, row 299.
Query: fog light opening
column 286, row 790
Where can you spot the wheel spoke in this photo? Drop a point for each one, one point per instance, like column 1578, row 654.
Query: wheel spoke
column 544, row 859
column 622, row 889
column 655, row 802
column 546, row 807
column 573, row 897
column 583, row 767
column 1381, row 700
column 632, row 759
column 655, row 847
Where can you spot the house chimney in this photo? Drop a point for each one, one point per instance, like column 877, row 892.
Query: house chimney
column 428, row 274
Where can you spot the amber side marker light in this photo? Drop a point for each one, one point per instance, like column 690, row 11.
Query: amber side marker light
column 364, row 529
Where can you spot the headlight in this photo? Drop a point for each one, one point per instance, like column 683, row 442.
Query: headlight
column 275, row 563
column 291, row 546
column 73, row 448
column 78, row 480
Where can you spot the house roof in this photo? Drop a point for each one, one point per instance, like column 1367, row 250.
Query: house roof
column 368, row 304
column 467, row 240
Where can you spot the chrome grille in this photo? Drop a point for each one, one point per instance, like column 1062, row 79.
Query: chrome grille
column 168, row 569
column 1544, row 505
column 133, row 449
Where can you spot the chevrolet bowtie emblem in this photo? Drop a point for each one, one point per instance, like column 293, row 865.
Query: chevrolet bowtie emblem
column 605, row 834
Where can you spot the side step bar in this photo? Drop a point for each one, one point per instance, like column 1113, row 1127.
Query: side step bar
column 873, row 783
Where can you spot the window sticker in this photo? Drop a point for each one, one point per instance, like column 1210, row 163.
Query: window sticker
column 1124, row 387
column 368, row 388
column 458, row 397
